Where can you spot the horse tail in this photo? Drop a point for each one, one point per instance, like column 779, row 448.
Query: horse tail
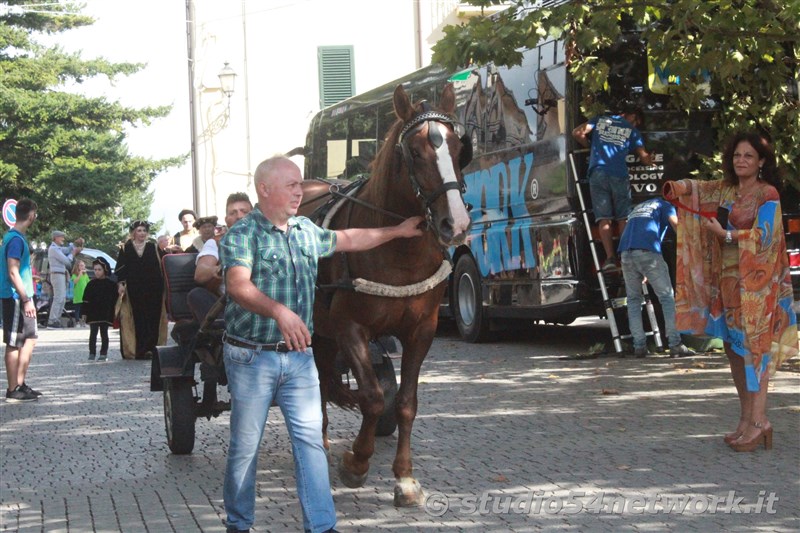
column 330, row 377
column 340, row 394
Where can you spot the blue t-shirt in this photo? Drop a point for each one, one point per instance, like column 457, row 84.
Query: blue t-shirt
column 16, row 247
column 647, row 225
column 613, row 138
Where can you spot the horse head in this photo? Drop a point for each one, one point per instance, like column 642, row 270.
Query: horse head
column 433, row 156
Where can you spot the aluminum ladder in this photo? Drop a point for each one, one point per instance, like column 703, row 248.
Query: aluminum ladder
column 610, row 304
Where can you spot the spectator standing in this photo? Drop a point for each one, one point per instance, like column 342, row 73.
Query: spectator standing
column 79, row 281
column 268, row 335
column 18, row 309
column 100, row 299
column 60, row 259
column 613, row 137
column 734, row 281
column 143, row 323
column 184, row 238
column 163, row 244
column 640, row 250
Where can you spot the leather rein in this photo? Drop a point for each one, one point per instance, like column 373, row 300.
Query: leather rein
column 436, row 140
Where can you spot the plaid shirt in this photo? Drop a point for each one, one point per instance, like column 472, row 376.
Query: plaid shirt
column 283, row 265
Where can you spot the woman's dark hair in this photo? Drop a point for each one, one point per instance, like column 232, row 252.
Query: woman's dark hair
column 762, row 146
column 103, row 263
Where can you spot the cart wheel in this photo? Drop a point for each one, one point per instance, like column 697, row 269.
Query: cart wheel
column 179, row 415
column 387, row 422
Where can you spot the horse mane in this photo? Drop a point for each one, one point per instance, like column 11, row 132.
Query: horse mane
column 383, row 170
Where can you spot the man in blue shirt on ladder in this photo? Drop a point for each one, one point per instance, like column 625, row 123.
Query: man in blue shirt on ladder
column 613, row 138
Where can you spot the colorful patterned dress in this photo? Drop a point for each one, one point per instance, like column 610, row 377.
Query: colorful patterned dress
column 739, row 292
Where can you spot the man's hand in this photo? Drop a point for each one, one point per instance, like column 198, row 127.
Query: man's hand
column 29, row 309
column 410, row 227
column 294, row 330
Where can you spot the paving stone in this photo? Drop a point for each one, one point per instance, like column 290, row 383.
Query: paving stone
column 509, row 419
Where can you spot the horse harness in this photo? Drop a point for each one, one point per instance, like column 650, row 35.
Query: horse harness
column 347, row 194
column 436, row 140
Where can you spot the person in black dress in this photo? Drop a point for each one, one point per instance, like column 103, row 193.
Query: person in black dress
column 99, row 299
column 141, row 285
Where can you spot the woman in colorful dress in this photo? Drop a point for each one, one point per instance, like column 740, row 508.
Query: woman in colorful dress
column 733, row 281
column 143, row 323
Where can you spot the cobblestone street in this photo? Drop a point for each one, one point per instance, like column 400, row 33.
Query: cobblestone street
column 515, row 435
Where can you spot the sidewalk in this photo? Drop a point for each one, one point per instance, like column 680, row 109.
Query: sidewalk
column 510, row 436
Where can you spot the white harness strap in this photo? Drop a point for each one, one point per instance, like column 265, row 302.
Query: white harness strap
column 392, row 291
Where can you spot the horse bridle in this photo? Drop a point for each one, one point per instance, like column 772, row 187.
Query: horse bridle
column 436, row 140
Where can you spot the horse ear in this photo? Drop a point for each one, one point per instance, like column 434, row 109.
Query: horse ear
column 448, row 100
column 402, row 104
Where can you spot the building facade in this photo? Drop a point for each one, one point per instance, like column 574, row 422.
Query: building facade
column 290, row 59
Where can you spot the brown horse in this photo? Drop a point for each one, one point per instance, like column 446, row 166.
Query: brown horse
column 416, row 172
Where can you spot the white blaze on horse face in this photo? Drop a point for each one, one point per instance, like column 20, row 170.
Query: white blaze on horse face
column 458, row 212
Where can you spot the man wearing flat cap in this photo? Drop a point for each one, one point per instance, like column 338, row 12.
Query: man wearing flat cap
column 60, row 258
column 205, row 228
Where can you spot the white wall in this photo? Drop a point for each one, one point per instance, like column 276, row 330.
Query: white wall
column 277, row 87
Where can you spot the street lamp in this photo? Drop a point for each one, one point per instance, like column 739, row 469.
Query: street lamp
column 227, row 79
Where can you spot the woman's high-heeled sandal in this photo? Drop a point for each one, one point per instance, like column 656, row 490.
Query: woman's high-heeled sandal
column 764, row 435
column 730, row 437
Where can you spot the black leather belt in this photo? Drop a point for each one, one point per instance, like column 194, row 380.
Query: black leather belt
column 279, row 346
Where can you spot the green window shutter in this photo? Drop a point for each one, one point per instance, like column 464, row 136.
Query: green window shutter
column 336, row 77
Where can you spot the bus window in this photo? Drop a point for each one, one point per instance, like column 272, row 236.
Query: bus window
column 361, row 139
column 335, row 137
column 386, row 117
column 424, row 93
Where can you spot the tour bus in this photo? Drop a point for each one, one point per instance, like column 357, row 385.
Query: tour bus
column 528, row 256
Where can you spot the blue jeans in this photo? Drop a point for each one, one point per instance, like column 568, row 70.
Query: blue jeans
column 255, row 379
column 636, row 265
column 611, row 195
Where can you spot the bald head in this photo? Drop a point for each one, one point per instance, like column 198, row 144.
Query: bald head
column 271, row 168
column 279, row 188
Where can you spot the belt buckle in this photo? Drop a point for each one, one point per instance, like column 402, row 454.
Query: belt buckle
column 281, row 347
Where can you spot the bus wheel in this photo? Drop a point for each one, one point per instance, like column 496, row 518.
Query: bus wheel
column 467, row 301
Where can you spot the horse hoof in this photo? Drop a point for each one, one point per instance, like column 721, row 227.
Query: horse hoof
column 407, row 492
column 351, row 480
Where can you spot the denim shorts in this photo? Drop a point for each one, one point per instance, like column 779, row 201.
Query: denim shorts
column 611, row 195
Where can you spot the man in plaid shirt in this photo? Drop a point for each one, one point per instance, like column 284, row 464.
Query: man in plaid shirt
column 270, row 262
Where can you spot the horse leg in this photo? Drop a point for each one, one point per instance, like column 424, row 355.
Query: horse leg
column 407, row 490
column 355, row 462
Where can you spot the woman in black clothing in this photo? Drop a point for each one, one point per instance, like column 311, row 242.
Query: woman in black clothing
column 141, row 286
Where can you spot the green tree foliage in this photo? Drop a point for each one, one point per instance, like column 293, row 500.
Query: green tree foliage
column 749, row 48
column 67, row 151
